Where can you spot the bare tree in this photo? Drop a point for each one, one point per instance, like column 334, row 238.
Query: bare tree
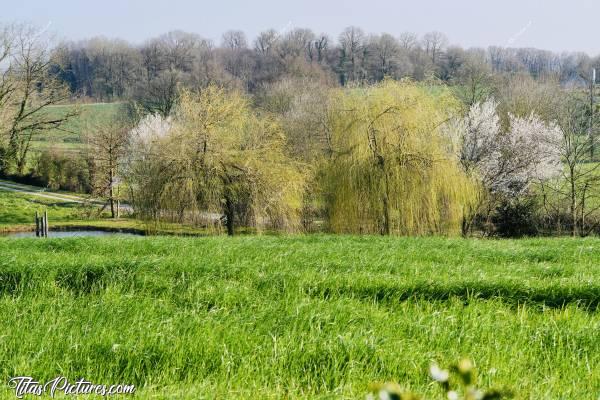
column 108, row 144
column 475, row 77
column 408, row 41
column 179, row 48
column 266, row 42
column 434, row 44
column 296, row 44
column 317, row 49
column 386, row 53
column 234, row 40
column 161, row 93
column 352, row 43
column 27, row 90
column 577, row 188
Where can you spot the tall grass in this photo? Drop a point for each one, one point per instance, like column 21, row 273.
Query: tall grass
column 301, row 317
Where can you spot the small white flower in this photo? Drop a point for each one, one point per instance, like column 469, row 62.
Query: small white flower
column 384, row 395
column 437, row 374
column 452, row 395
column 115, row 347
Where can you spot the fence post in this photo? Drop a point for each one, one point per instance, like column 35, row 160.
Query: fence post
column 45, row 223
column 37, row 225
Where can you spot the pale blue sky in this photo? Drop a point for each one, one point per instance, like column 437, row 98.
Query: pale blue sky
column 552, row 24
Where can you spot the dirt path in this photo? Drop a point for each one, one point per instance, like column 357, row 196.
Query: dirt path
column 40, row 192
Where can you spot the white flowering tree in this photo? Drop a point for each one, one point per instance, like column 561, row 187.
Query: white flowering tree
column 505, row 162
column 478, row 133
column 148, row 132
column 145, row 170
column 525, row 154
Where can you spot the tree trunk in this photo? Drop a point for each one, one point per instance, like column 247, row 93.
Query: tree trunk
column 230, row 215
column 386, row 216
column 111, row 195
column 118, row 204
column 582, row 230
column 573, row 209
column 591, row 123
column 385, row 198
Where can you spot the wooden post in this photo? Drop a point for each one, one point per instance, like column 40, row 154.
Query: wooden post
column 45, row 223
column 37, row 225
column 42, row 225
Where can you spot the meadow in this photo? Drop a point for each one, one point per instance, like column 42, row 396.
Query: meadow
column 302, row 316
column 18, row 209
column 70, row 138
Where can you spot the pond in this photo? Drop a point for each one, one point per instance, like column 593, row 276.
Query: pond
column 69, row 234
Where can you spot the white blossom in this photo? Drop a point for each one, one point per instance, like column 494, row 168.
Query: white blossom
column 507, row 162
column 438, row 374
column 481, row 130
column 524, row 154
column 151, row 128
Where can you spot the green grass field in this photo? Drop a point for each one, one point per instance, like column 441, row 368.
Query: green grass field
column 70, row 137
column 301, row 317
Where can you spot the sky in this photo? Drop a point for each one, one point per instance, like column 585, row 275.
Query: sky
column 557, row 25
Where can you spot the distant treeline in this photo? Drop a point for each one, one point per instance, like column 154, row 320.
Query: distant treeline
column 108, row 69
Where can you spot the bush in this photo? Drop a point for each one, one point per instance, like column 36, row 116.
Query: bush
column 515, row 218
column 60, row 171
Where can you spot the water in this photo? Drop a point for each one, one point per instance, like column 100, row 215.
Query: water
column 68, row 234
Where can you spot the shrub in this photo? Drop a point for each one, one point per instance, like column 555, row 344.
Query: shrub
column 60, row 171
column 515, row 218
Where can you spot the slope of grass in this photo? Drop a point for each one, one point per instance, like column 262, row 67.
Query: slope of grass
column 19, row 208
column 71, row 135
column 301, row 317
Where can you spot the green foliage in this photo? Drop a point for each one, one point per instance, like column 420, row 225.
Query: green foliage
column 223, row 158
column 59, row 171
column 390, row 169
column 515, row 218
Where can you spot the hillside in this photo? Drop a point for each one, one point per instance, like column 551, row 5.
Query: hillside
column 70, row 138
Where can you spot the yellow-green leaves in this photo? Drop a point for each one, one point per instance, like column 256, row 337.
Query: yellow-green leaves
column 391, row 171
column 233, row 162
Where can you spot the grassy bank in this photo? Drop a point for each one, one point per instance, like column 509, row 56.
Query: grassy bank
column 301, row 317
column 19, row 209
column 17, row 212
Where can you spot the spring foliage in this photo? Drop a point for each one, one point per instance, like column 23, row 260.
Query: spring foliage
column 391, row 171
column 223, row 159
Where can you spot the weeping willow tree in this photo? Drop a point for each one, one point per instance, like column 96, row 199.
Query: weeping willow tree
column 222, row 160
column 390, row 169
